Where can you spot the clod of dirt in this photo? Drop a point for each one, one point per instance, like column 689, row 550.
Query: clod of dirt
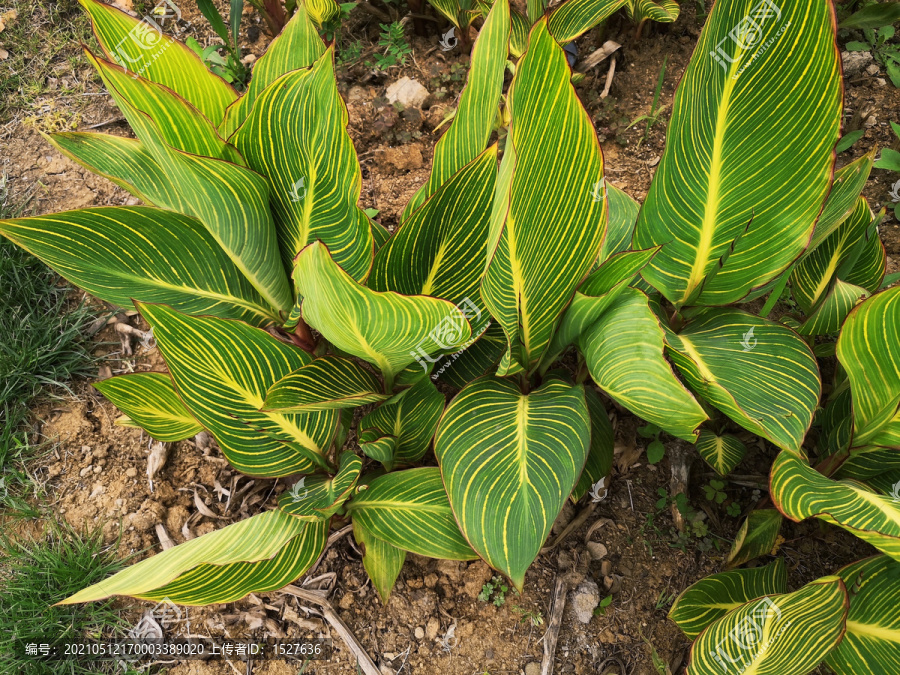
column 533, row 668
column 408, row 93
column 403, row 158
column 585, row 599
column 475, row 577
column 855, row 62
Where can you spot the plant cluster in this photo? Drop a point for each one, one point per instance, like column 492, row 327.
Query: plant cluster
column 291, row 322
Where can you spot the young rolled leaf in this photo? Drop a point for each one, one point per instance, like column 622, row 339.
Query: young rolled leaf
column 386, row 329
column 379, row 446
column 788, row 633
column 440, row 250
column 150, row 402
column 623, row 213
column 222, row 564
column 476, row 113
column 600, row 455
column 134, row 252
column 758, row 372
column 842, row 200
column 411, row 418
column 719, row 171
column 319, row 496
column 514, row 455
column 713, row 597
column 757, row 536
column 624, row 354
column 722, row 453
column 576, row 17
column 142, row 48
column 208, row 359
column 382, row 561
column 326, row 383
column 409, row 509
column 553, row 227
column 660, row 11
column 833, row 309
column 296, row 136
column 801, row 492
column 872, row 641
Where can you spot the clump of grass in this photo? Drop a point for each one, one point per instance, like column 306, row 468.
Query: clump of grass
column 37, row 572
column 42, row 344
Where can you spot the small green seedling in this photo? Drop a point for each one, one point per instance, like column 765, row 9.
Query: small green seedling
column 714, row 491
column 655, row 110
column 535, row 616
column 600, row 610
column 494, row 591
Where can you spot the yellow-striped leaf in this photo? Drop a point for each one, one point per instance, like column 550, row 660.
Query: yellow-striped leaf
column 833, row 309
column 518, row 33
column 624, row 354
column 250, row 555
column 660, row 11
column 842, row 199
column 801, row 492
column 623, row 213
column 476, row 113
column 409, row 509
column 326, row 383
column 297, row 46
column 788, row 633
column 124, row 161
column 388, row 330
column 208, row 360
column 722, row 453
column 516, row 456
column 142, row 253
column 142, row 48
column 757, row 67
column 479, row 358
column 378, row 446
column 296, row 136
column 713, row 597
column 600, row 454
column 757, row 536
column 758, row 372
column 576, row 17
column 151, row 403
column 554, row 226
column 382, row 560
column 322, row 11
column 440, row 250
column 319, row 496
column 872, row 641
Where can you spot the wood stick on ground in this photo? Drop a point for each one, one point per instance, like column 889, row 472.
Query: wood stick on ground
column 599, row 56
column 557, row 605
column 680, row 461
column 362, row 658
column 609, row 77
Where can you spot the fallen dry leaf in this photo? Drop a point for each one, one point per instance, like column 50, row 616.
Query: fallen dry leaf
column 3, row 54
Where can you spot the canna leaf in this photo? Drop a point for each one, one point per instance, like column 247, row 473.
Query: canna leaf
column 478, row 359
column 409, row 510
column 833, row 309
column 788, row 633
column 258, row 554
column 516, row 456
column 386, row 329
column 573, row 18
column 382, row 561
column 296, row 136
column 758, row 536
column 476, row 113
column 600, row 455
column 208, row 359
column 326, row 383
column 758, row 372
column 872, row 641
column 842, row 199
column 713, row 597
column 322, row 11
column 624, row 354
column 136, row 252
column 379, row 447
column 319, row 496
column 142, row 48
column 717, row 175
column 722, row 453
column 553, row 228
column 660, row 11
column 150, row 402
column 623, row 213
column 519, row 26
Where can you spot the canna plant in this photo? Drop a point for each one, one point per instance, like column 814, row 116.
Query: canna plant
column 318, row 348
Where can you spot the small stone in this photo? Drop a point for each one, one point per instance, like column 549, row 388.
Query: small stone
column 606, row 568
column 408, row 93
column 347, row 601
column 585, row 599
column 870, row 122
column 873, row 69
column 131, row 472
column 881, row 82
column 420, row 632
column 98, row 469
column 249, row 60
column 452, row 569
column 533, row 668
column 431, row 580
column 85, row 449
column 855, row 62
column 597, row 550
column 432, row 628
column 86, row 470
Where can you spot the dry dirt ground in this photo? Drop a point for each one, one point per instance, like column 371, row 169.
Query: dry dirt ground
column 434, row 621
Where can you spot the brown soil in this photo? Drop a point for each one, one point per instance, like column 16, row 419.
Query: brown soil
column 98, row 476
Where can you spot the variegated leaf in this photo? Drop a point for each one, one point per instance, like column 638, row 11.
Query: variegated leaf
column 757, row 536
column 319, row 496
column 323, row 384
column 382, row 560
column 722, row 453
